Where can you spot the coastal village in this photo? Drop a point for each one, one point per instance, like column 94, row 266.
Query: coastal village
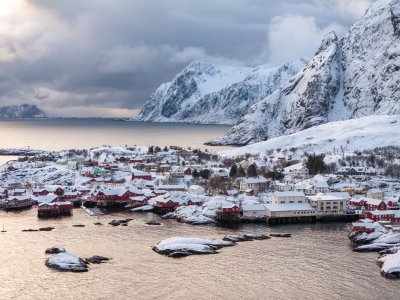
column 203, row 187
column 199, row 186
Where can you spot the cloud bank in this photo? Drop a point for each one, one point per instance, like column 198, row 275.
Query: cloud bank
column 105, row 58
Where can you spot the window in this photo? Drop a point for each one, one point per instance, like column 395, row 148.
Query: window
column 291, row 201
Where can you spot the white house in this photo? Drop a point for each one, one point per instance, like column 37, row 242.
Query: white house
column 288, row 197
column 374, row 194
column 72, row 165
column 328, row 204
column 253, row 210
column 316, row 187
column 289, row 210
column 283, row 187
column 177, row 171
column 297, row 170
column 257, row 184
column 196, row 189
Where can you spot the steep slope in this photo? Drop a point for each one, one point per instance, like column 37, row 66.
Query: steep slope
column 350, row 135
column 355, row 77
column 302, row 102
column 209, row 93
column 371, row 59
column 21, row 112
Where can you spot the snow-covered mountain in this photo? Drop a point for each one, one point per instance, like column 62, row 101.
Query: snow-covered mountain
column 214, row 94
column 354, row 77
column 21, row 112
column 335, row 137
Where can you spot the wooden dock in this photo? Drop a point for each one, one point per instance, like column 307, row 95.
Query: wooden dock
column 92, row 211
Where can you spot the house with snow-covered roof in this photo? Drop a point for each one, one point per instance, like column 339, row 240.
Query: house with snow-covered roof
column 257, row 184
column 316, row 187
column 325, row 204
column 254, row 210
column 297, row 171
column 288, row 197
column 289, row 210
column 375, row 194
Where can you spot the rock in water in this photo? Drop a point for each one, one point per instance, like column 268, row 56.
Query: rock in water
column 153, row 223
column 255, row 236
column 245, row 237
column 46, row 228
column 280, row 234
column 67, row 262
column 97, row 259
column 55, row 250
column 390, row 265
column 181, row 246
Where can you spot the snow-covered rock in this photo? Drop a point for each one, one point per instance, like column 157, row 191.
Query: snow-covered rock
column 181, row 246
column 214, row 94
column 67, row 262
column 373, row 247
column 390, row 265
column 191, row 214
column 351, row 78
column 21, row 112
column 245, row 237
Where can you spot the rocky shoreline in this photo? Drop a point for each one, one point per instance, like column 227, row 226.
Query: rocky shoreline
column 386, row 243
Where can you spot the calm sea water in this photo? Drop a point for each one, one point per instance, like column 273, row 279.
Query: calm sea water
column 316, row 263
column 60, row 134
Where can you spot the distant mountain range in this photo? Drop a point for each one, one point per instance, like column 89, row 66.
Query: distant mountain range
column 24, row 111
column 356, row 76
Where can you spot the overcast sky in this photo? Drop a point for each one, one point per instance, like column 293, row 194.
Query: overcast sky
column 105, row 57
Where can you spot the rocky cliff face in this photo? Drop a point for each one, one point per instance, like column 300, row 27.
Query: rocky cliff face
column 302, row 102
column 355, row 77
column 21, row 112
column 214, row 94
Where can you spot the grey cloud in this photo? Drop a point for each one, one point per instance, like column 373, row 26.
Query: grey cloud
column 87, row 55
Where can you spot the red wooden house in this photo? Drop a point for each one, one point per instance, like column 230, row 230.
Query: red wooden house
column 162, row 202
column 375, row 204
column 195, row 202
column 229, row 208
column 59, row 191
column 363, row 225
column 380, row 215
column 40, row 192
column 139, row 200
column 141, row 175
column 187, row 171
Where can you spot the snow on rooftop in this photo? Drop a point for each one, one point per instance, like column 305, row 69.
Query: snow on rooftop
column 289, row 207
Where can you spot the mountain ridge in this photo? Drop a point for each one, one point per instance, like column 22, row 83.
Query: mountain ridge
column 23, row 111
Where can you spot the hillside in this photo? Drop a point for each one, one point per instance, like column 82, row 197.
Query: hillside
column 332, row 138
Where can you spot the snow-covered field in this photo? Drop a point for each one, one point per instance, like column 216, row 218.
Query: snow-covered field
column 334, row 138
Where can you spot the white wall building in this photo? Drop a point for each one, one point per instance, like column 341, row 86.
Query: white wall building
column 257, row 184
column 254, row 210
column 289, row 197
column 374, row 194
column 328, row 204
column 289, row 210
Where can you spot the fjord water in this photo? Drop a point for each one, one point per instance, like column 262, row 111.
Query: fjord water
column 60, row 134
column 315, row 263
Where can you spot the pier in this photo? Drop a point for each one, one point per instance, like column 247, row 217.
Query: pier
column 92, row 211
